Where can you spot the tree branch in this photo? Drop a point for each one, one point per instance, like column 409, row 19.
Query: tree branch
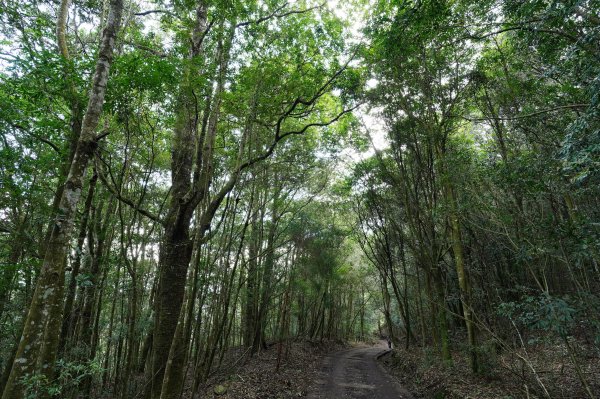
column 144, row 13
column 35, row 136
column 148, row 49
column 275, row 14
column 540, row 112
column 124, row 200
column 213, row 206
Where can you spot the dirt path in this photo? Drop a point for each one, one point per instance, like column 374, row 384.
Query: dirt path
column 355, row 374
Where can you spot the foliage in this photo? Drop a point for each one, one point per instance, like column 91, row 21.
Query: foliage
column 543, row 313
column 69, row 376
column 223, row 138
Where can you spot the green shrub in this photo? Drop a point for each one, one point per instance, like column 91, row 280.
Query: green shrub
column 69, row 376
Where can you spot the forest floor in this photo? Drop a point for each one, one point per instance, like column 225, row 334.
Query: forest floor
column 427, row 378
column 505, row 375
column 334, row 370
column 316, row 370
column 258, row 377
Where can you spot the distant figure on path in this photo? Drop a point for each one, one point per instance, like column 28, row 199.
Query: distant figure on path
column 389, row 341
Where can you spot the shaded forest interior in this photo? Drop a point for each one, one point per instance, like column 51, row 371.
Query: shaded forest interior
column 187, row 183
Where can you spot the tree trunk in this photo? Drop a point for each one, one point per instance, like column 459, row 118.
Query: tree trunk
column 463, row 282
column 68, row 316
column 269, row 263
column 47, row 301
column 175, row 255
column 251, row 312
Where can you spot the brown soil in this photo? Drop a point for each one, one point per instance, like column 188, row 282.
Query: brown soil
column 354, row 373
column 257, row 378
column 506, row 375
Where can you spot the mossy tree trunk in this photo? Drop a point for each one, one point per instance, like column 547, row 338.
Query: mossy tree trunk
column 39, row 341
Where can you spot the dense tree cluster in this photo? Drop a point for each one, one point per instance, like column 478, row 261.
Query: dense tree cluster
column 482, row 216
column 163, row 214
column 172, row 187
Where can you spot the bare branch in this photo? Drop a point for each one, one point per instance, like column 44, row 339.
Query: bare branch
column 146, row 48
column 35, row 136
column 527, row 28
column 540, row 112
column 214, row 204
column 102, row 134
column 276, row 14
column 319, row 93
column 144, row 13
column 124, row 200
column 43, row 140
column 574, row 39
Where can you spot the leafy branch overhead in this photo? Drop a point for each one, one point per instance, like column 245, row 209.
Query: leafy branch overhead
column 207, row 197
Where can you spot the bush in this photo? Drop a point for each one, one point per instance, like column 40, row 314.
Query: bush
column 543, row 313
column 69, row 376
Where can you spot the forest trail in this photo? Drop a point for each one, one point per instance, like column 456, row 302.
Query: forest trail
column 355, row 374
column 195, row 179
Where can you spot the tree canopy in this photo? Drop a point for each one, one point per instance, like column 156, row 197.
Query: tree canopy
column 183, row 179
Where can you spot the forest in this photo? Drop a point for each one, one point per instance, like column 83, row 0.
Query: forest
column 191, row 186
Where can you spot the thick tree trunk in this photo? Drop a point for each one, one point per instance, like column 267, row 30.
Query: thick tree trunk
column 176, row 247
column 175, row 255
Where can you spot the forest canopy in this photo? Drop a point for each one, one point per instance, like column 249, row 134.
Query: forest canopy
column 186, row 183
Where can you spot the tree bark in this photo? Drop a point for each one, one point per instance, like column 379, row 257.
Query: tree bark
column 46, row 305
column 463, row 282
column 68, row 317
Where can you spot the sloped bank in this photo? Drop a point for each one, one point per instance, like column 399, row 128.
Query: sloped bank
column 425, row 378
column 504, row 376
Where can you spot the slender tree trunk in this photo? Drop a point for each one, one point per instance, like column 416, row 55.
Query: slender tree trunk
column 47, row 302
column 465, row 288
column 459, row 258
column 6, row 280
column 110, row 340
column 441, row 316
column 251, row 311
column 100, row 239
column 259, row 336
column 387, row 308
column 7, row 275
column 68, row 316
